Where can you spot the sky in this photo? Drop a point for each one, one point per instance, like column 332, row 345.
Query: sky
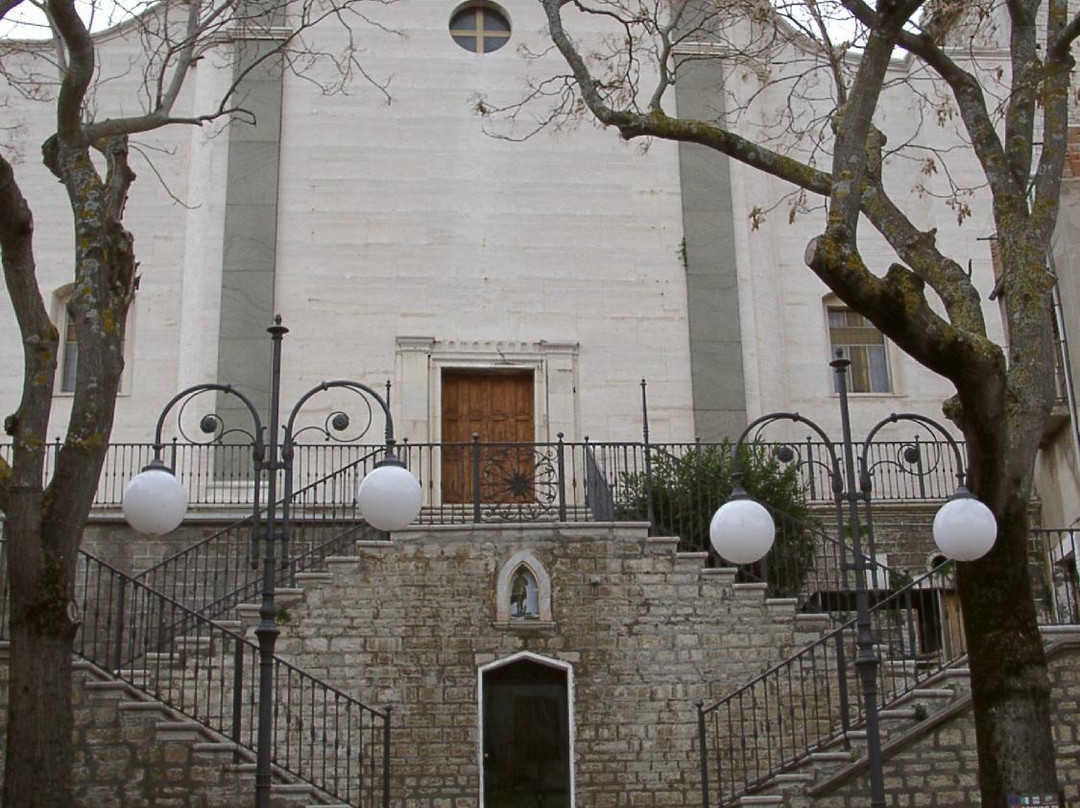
column 27, row 21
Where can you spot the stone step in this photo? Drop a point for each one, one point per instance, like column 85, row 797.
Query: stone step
column 813, row 621
column 722, row 576
column 193, row 644
column 181, row 731
column 109, row 689
column 825, row 763
column 305, row 579
column 217, row 748
column 930, row 698
column 761, row 800
column 154, row 709
column 753, row 591
column 698, row 561
column 898, row 714
column 1060, row 632
column 283, row 598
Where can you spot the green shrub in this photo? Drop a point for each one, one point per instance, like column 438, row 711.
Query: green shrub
column 687, row 490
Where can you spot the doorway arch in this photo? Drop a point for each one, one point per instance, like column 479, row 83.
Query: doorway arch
column 526, row 738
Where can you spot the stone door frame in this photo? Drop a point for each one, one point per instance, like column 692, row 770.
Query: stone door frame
column 550, row 662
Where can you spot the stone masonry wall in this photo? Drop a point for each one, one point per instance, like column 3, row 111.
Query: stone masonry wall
column 126, row 758
column 646, row 631
column 939, row 768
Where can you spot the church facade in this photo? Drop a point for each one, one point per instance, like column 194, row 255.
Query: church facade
column 408, row 232
column 504, row 278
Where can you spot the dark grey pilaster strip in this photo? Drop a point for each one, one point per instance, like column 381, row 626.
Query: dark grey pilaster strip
column 711, row 280
column 247, row 282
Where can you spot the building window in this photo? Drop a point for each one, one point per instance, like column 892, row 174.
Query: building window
column 69, row 352
column 859, row 341
column 68, row 361
column 480, row 28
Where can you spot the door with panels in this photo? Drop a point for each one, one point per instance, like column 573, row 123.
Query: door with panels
column 498, row 407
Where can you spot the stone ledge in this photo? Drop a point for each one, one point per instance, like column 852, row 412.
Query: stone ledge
column 661, row 545
column 762, row 799
column 181, row 731
column 525, row 626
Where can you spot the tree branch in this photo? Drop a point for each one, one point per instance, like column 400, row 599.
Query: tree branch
column 1026, row 78
column 1060, row 45
column 28, row 424
column 897, row 305
column 7, row 5
column 80, row 69
column 1056, row 104
column 973, row 110
column 659, row 124
column 919, row 250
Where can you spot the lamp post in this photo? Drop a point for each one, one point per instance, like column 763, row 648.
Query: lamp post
column 742, row 531
column 154, row 502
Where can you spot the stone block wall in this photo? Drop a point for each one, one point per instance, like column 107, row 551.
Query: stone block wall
column 645, row 632
column 937, row 766
column 126, row 758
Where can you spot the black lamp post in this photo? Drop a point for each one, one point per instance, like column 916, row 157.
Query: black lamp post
column 742, row 532
column 154, row 502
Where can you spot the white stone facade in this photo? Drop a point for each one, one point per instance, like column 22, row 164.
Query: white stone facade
column 409, row 240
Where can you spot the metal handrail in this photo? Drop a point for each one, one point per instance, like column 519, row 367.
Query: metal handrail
column 806, row 562
column 186, row 661
column 221, row 476
column 809, row 701
column 1056, row 582
column 215, row 574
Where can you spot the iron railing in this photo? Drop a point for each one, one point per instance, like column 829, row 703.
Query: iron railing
column 215, row 575
column 811, row 700
column 1056, row 583
column 212, row 475
column 806, row 561
column 519, row 481
column 321, row 735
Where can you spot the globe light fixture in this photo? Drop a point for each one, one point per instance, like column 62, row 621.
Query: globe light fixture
column 964, row 528
column 389, row 496
column 154, row 502
column 742, row 529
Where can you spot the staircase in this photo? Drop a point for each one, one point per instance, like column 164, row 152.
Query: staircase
column 795, row 735
column 213, row 576
column 135, row 750
column 200, row 679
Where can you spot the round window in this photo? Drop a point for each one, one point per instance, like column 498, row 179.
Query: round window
column 480, row 28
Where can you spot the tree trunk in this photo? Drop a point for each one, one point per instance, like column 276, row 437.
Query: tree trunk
column 38, row 766
column 1010, row 687
column 44, row 527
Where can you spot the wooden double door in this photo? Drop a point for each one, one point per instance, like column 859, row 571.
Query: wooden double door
column 497, row 406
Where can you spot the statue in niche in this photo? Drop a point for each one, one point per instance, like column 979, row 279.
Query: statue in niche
column 523, row 595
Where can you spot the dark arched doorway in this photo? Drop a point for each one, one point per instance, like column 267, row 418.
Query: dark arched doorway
column 526, row 736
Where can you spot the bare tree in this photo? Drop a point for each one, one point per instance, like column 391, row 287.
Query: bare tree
column 836, row 63
column 89, row 153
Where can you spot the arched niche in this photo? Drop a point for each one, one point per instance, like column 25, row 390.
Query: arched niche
column 523, row 591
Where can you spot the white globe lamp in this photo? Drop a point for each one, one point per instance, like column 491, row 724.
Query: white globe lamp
column 964, row 528
column 154, row 501
column 389, row 497
column 742, row 530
